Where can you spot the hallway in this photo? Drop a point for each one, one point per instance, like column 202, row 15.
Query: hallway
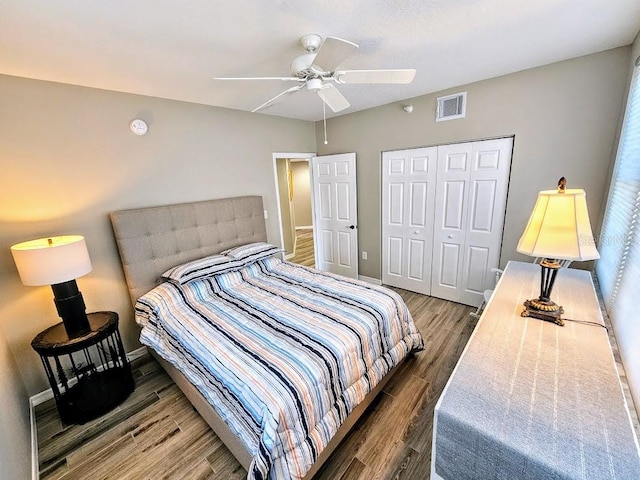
column 304, row 253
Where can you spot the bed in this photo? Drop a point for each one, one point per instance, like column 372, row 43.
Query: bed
column 279, row 359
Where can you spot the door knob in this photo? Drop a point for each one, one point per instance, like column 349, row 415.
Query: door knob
column 351, row 227
column 449, row 236
column 416, row 232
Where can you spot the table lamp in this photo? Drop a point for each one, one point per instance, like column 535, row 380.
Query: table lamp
column 558, row 229
column 57, row 261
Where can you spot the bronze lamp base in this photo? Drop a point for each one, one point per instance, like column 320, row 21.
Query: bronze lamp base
column 542, row 307
column 543, row 310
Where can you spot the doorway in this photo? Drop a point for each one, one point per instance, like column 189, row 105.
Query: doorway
column 332, row 193
column 295, row 206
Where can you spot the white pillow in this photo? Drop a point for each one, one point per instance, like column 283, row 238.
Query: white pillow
column 203, row 267
column 253, row 252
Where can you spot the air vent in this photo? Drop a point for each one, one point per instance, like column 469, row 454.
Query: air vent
column 451, row 107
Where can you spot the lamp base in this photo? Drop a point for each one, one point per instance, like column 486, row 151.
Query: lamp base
column 71, row 308
column 543, row 307
column 544, row 310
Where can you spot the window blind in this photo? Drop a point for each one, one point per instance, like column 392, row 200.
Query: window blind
column 618, row 269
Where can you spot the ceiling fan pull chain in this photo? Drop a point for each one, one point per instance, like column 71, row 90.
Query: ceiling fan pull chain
column 324, row 119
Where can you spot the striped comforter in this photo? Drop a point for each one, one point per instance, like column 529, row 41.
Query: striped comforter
column 283, row 352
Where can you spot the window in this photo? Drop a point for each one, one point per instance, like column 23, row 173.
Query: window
column 618, row 269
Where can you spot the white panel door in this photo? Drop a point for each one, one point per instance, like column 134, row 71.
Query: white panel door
column 471, row 198
column 408, row 189
column 335, row 191
column 488, row 185
column 454, row 164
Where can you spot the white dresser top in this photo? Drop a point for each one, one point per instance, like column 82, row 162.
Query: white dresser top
column 530, row 399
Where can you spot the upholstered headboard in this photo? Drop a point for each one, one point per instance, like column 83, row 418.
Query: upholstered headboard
column 152, row 240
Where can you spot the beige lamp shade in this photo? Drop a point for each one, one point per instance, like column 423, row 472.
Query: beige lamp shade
column 559, row 227
column 52, row 260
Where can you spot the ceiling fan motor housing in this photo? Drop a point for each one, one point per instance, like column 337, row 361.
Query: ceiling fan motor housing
column 301, row 65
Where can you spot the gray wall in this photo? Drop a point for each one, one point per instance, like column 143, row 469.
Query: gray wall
column 563, row 116
column 15, row 445
column 68, row 159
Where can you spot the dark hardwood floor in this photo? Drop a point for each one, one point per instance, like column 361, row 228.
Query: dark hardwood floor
column 156, row 434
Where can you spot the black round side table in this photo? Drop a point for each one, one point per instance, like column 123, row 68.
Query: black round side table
column 89, row 374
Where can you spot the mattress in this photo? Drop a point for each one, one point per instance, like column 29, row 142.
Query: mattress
column 282, row 352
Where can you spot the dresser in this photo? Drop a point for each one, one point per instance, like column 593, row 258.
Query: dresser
column 532, row 400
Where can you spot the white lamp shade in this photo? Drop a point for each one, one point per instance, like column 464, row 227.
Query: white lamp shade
column 48, row 261
column 559, row 227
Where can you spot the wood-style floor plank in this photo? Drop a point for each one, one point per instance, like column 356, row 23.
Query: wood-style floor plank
column 304, row 251
column 355, row 470
column 157, row 434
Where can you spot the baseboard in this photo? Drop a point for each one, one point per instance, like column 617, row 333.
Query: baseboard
column 305, row 227
column 137, row 353
column 289, row 255
column 370, row 279
column 35, row 470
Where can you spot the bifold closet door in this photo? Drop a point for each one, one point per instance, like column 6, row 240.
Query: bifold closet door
column 471, row 195
column 408, row 186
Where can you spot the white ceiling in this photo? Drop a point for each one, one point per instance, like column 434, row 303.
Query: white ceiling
column 173, row 49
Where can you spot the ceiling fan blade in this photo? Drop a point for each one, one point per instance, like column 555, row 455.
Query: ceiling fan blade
column 333, row 98
column 277, row 98
column 333, row 52
column 284, row 79
column 375, row 76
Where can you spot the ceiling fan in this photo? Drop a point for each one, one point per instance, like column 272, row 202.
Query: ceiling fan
column 317, row 71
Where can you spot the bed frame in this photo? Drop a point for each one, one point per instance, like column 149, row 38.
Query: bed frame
column 152, row 240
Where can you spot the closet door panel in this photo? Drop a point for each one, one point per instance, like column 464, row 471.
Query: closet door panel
column 395, row 247
column 443, row 217
column 449, row 259
column 475, row 268
column 408, row 191
column 416, row 255
column 418, row 205
column 484, row 194
column 450, row 219
column 488, row 182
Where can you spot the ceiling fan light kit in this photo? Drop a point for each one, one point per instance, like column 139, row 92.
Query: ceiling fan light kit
column 317, row 70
